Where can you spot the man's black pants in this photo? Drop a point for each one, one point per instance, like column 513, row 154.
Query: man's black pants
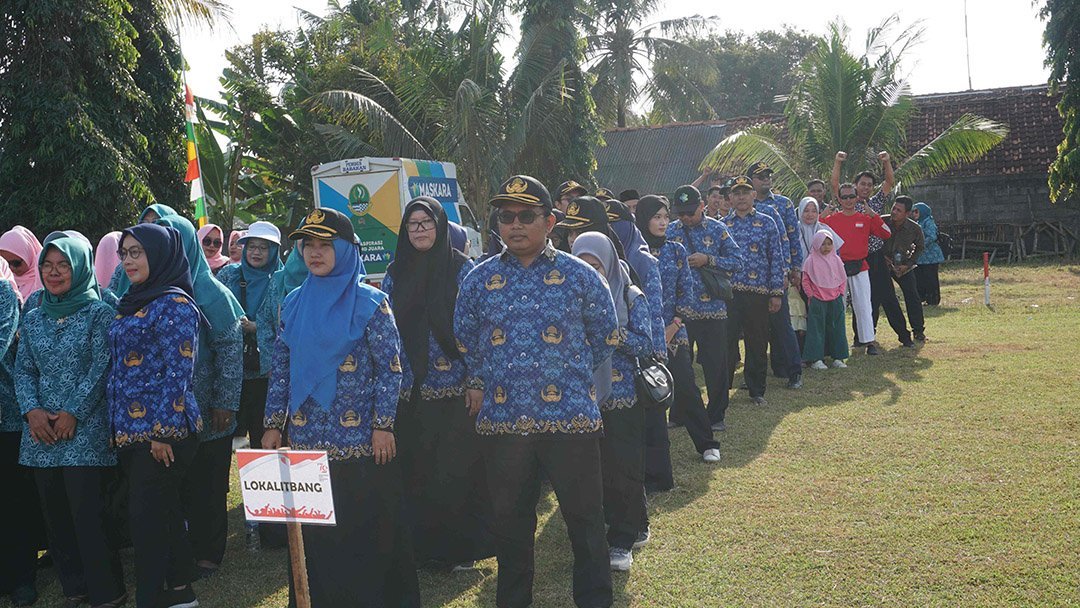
column 711, row 337
column 749, row 314
column 572, row 465
column 883, row 296
column 688, row 409
column 622, row 457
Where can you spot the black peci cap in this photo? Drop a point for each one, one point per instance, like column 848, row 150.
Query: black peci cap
column 572, row 188
column 325, row 223
column 522, row 189
column 628, row 195
column 758, row 167
column 686, row 198
column 584, row 212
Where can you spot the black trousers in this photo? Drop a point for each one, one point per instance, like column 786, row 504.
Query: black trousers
column 883, row 296
column 162, row 551
column 912, row 301
column 658, row 474
column 205, row 493
column 73, row 501
column 572, row 465
column 365, row 561
column 749, row 315
column 926, row 279
column 622, row 459
column 446, row 494
column 688, row 408
column 784, row 353
column 711, row 337
column 18, row 557
column 252, row 410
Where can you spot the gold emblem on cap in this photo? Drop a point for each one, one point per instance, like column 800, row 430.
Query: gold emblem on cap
column 572, row 209
column 516, row 186
column 316, row 217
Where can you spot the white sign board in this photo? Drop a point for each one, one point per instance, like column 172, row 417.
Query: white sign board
column 354, row 165
column 286, row 486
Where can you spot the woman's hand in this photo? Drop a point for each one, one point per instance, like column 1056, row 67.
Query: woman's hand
column 162, row 452
column 220, row 420
column 40, row 429
column 384, row 445
column 63, row 424
column 247, row 325
column 271, row 439
column 474, row 399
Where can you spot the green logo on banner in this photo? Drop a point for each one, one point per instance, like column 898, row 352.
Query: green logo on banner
column 359, row 199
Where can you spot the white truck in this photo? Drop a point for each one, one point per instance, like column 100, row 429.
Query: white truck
column 373, row 193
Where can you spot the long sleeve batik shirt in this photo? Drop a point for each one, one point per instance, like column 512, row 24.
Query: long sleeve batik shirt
column 11, row 420
column 230, row 276
column 635, row 340
column 763, row 253
column 775, row 215
column 532, row 337
column 714, row 240
column 446, row 375
column 151, row 389
column 678, row 288
column 62, row 366
column 653, row 289
column 368, row 383
column 789, row 226
column 219, row 377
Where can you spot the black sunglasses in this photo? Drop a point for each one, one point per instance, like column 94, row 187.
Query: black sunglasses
column 525, row 217
column 15, row 263
column 209, row 242
column 847, row 196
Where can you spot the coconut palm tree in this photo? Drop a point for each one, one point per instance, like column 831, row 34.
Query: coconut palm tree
column 857, row 103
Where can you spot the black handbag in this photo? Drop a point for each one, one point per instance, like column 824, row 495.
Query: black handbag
column 251, row 343
column 853, row 267
column 654, row 382
column 717, row 282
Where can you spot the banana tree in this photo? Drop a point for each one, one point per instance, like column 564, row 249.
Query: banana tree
column 857, row 103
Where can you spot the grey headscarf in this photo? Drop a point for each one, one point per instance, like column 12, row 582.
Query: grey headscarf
column 617, row 277
column 807, row 231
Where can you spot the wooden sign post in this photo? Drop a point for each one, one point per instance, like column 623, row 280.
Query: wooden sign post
column 290, row 487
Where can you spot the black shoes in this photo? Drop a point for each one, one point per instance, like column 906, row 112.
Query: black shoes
column 178, row 598
column 795, row 382
column 920, row 337
column 24, row 595
column 872, row 349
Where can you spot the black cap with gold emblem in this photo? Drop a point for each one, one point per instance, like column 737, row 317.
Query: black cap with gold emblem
column 325, row 223
column 604, row 194
column 584, row 212
column 758, row 168
column 740, row 182
column 572, row 188
column 522, row 189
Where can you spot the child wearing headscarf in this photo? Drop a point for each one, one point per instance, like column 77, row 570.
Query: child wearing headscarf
column 20, row 248
column 155, row 416
column 61, row 368
column 334, row 386
column 622, row 448
column 824, row 282
column 217, row 381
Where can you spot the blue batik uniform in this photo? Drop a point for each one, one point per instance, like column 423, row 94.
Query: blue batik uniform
column 678, row 288
column 763, row 254
column 446, row 375
column 635, row 340
column 230, row 276
column 368, row 383
column 713, row 239
column 150, row 390
column 771, row 212
column 63, row 365
column 653, row 290
column 532, row 338
column 789, row 222
column 11, row 420
column 219, row 375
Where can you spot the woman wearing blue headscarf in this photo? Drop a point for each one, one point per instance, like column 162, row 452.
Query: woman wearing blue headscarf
column 926, row 273
column 154, row 414
column 334, row 385
column 119, row 283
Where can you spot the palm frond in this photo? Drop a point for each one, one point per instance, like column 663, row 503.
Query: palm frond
column 966, row 140
column 756, row 143
column 350, row 107
column 345, row 143
column 196, row 12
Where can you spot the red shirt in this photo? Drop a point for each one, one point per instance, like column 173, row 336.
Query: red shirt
column 856, row 229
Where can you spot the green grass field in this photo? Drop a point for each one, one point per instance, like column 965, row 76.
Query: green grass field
column 944, row 476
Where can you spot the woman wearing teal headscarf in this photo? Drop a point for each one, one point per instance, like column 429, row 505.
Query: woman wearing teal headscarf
column 926, row 273
column 60, row 372
column 217, row 382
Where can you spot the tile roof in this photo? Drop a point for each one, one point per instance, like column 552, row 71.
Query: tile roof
column 663, row 157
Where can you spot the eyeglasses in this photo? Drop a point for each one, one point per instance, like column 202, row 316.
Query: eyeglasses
column 61, row 267
column 847, row 196
column 132, row 252
column 421, row 226
column 257, row 248
column 209, row 242
column 525, row 217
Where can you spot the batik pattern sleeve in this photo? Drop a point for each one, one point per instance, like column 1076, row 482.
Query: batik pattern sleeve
column 277, row 394
column 90, row 390
column 468, row 321
column 10, row 419
column 219, row 379
column 266, row 324
column 791, row 230
column 383, row 342
column 729, row 257
column 26, row 381
column 654, row 295
column 777, row 266
column 635, row 340
column 600, row 322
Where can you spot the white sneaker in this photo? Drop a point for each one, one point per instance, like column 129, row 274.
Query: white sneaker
column 621, row 559
column 642, row 538
column 839, row 364
column 819, row 364
column 711, row 455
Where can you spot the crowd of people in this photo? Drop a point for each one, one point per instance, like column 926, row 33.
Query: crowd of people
column 444, row 399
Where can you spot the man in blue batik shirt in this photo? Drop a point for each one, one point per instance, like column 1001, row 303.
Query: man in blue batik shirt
column 758, row 287
column 783, row 344
column 534, row 325
column 710, row 247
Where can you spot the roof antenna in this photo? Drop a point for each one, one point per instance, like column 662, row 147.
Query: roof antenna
column 967, row 45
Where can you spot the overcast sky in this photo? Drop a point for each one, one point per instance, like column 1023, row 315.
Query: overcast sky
column 1005, row 35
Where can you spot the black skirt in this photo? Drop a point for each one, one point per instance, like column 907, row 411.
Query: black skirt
column 365, row 561
column 445, row 486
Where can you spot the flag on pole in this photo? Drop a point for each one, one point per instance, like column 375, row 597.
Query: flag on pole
column 194, row 175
